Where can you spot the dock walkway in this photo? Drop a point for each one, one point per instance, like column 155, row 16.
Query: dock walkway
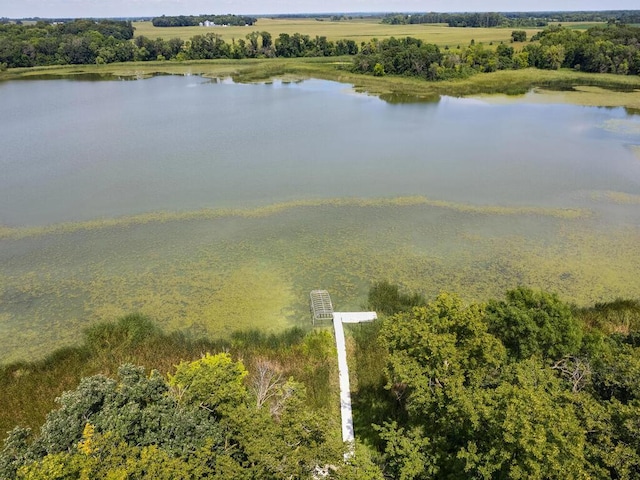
column 343, row 370
column 322, row 309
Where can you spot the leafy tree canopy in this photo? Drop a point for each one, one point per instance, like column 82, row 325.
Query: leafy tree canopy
column 516, row 388
column 534, row 323
column 202, row 423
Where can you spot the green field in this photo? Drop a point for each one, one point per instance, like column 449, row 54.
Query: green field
column 357, row 30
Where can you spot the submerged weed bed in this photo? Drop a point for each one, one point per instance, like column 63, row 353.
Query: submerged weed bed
column 216, row 272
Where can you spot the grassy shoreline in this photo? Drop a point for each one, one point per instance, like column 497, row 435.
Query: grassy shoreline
column 604, row 90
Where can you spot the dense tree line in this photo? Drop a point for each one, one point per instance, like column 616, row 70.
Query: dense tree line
column 621, row 16
column 613, row 48
column 511, row 19
column 77, row 42
column 90, row 42
column 478, row 19
column 195, row 20
column 524, row 387
column 261, row 44
column 602, row 49
column 298, row 45
column 413, row 57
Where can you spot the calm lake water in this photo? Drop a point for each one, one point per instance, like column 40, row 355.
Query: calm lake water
column 80, row 150
column 494, row 177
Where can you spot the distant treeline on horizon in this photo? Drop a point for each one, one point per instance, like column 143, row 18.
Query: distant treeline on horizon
column 195, row 20
column 623, row 16
column 512, row 19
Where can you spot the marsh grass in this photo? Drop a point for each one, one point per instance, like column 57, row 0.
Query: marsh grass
column 28, row 389
column 611, row 90
column 620, row 316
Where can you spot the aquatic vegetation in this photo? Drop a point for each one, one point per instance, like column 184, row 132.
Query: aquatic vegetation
column 211, row 214
column 213, row 272
column 617, row 197
column 623, row 126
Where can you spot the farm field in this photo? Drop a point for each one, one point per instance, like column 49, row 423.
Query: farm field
column 357, row 30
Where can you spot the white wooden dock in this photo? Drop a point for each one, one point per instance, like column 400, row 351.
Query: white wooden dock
column 322, row 309
column 339, row 318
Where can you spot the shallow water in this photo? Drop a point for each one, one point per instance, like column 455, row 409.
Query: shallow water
column 317, row 178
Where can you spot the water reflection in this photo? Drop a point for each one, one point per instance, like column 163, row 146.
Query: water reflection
column 396, row 98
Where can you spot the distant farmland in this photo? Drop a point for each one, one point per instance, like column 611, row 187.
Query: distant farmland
column 357, row 30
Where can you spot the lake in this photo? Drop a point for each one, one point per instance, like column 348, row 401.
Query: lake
column 211, row 206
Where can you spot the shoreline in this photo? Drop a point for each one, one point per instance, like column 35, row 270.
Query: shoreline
column 561, row 86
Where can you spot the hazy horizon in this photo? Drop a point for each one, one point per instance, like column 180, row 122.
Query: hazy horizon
column 148, row 8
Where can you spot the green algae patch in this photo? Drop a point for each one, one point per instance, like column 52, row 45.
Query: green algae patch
column 211, row 302
column 253, row 295
column 591, row 96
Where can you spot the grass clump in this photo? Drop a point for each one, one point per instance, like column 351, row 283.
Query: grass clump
column 620, row 316
column 126, row 333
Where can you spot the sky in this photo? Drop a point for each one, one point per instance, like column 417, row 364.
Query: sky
column 133, row 8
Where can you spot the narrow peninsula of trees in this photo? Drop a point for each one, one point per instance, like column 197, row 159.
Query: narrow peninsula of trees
column 601, row 49
column 487, row 20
